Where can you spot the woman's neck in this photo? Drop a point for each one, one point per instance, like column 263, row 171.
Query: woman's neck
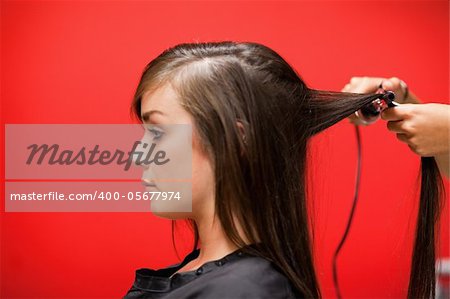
column 213, row 239
column 214, row 243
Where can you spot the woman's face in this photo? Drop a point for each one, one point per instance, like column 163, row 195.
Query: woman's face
column 159, row 110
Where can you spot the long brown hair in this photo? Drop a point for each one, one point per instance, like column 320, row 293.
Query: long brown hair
column 422, row 279
column 224, row 83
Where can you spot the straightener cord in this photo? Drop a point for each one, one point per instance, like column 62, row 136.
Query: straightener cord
column 352, row 212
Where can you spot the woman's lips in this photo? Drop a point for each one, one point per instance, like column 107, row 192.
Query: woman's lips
column 148, row 183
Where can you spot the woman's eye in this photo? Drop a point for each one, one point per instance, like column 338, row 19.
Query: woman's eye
column 156, row 133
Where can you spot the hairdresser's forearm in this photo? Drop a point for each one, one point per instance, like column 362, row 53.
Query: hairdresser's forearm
column 443, row 163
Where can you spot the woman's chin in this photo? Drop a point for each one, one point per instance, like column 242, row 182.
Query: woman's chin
column 171, row 215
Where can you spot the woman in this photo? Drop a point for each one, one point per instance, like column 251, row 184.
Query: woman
column 252, row 117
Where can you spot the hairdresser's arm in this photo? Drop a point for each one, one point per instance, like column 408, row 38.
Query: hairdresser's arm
column 371, row 84
column 425, row 128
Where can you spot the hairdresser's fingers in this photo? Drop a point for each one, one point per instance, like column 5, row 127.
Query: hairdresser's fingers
column 403, row 137
column 355, row 80
column 400, row 112
column 346, row 88
column 387, row 85
column 413, row 147
column 363, row 84
column 391, row 114
column 396, row 126
column 397, row 86
column 353, row 119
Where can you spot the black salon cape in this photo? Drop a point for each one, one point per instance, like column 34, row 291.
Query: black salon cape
column 236, row 275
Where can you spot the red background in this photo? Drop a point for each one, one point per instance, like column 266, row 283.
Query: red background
column 79, row 62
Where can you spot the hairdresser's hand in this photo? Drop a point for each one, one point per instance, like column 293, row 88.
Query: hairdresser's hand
column 371, row 84
column 424, row 127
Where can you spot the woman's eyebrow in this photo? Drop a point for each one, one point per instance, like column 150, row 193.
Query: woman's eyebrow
column 146, row 115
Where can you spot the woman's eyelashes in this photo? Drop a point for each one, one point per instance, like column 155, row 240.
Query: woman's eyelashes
column 157, row 133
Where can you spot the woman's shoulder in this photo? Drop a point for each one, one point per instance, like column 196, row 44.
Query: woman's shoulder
column 255, row 272
column 237, row 275
column 244, row 276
